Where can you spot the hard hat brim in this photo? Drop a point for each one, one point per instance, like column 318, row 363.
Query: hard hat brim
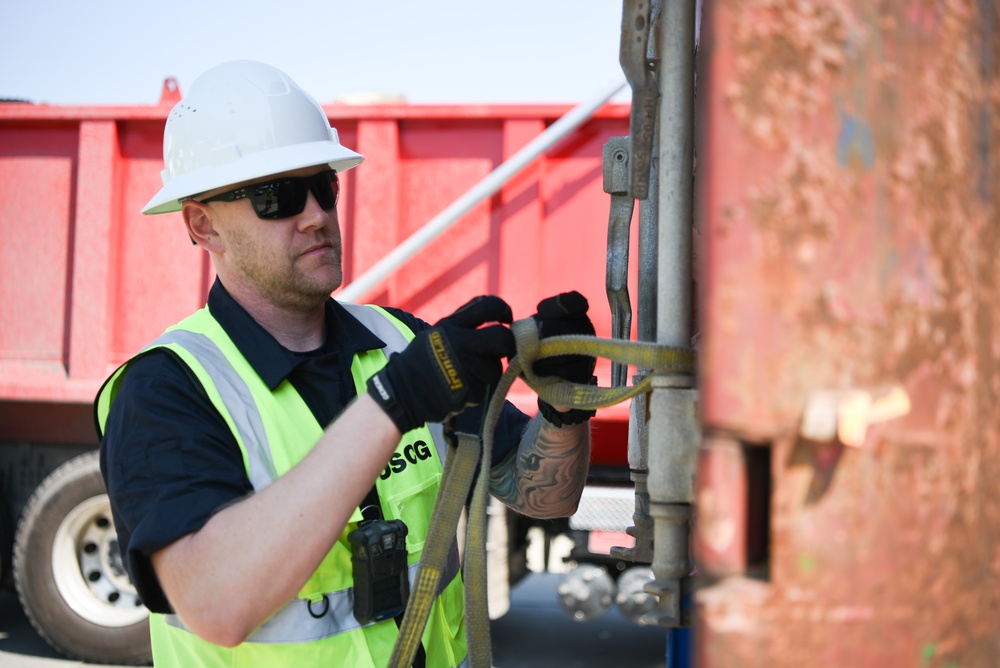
column 251, row 167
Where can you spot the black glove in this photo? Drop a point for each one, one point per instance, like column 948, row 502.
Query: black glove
column 447, row 367
column 558, row 316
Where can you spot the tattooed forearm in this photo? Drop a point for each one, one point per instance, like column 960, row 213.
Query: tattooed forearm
column 546, row 475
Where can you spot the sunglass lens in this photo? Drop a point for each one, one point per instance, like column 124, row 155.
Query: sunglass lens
column 285, row 198
column 326, row 188
column 279, row 199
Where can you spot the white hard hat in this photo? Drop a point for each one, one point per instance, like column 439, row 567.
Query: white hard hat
column 240, row 121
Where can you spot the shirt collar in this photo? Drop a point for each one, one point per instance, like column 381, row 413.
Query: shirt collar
column 345, row 336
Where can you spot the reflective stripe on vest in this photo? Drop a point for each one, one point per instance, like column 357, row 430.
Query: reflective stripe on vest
column 237, row 398
column 295, row 622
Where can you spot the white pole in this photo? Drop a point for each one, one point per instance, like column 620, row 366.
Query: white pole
column 489, row 185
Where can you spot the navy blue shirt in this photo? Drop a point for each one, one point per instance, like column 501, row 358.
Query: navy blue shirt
column 169, row 459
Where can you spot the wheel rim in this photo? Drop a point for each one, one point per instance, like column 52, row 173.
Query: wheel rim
column 88, row 570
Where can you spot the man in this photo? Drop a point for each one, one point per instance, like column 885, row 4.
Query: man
column 241, row 448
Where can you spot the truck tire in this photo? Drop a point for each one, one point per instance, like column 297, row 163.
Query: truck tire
column 68, row 571
column 6, row 543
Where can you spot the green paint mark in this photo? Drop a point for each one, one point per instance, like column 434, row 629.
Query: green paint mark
column 806, row 563
column 927, row 654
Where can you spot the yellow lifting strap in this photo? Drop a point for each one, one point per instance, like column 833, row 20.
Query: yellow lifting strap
column 460, row 465
column 456, row 478
column 559, row 392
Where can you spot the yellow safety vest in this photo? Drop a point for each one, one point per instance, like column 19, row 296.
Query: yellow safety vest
column 275, row 430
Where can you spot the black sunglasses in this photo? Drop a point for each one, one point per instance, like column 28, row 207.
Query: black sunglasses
column 286, row 197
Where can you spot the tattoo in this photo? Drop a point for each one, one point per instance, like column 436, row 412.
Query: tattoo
column 545, row 476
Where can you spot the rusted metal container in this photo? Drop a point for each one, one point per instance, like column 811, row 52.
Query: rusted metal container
column 848, row 193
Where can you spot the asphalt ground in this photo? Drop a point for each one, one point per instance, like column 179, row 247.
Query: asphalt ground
column 535, row 633
column 20, row 644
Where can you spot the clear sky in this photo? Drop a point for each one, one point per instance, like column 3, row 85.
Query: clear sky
column 120, row 51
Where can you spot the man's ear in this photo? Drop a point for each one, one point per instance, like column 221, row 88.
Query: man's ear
column 201, row 225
